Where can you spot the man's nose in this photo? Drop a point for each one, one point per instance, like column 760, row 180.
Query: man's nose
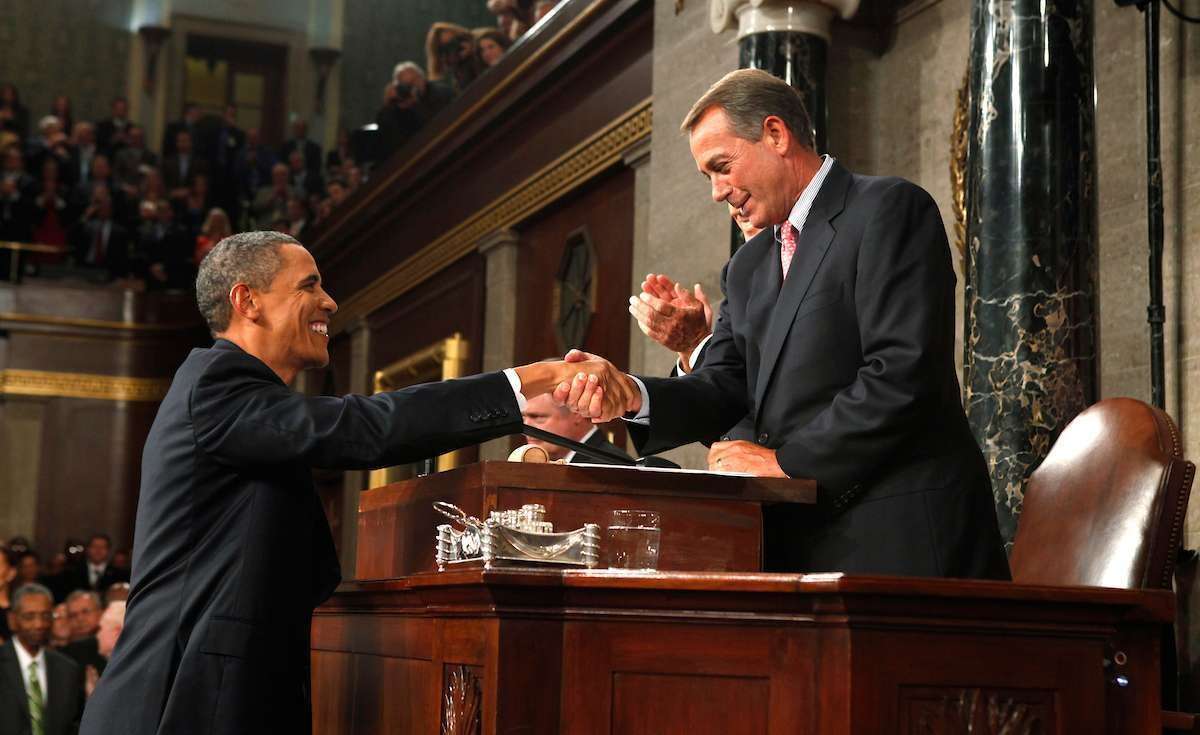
column 720, row 191
column 328, row 304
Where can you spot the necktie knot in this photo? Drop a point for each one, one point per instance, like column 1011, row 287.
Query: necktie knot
column 787, row 248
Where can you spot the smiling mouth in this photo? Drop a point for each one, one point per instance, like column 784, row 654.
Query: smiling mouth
column 741, row 208
column 320, row 328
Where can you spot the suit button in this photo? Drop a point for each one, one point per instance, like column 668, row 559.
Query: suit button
column 762, row 438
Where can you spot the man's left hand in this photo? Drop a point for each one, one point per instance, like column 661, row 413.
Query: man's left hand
column 744, row 456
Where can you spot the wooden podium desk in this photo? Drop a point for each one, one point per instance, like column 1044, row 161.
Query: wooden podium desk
column 709, row 522
column 581, row 652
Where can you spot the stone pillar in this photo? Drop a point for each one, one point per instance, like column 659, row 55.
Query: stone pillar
column 499, row 250
column 789, row 39
column 1030, row 347
column 355, row 481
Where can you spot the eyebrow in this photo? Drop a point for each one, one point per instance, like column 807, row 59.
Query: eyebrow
column 312, row 279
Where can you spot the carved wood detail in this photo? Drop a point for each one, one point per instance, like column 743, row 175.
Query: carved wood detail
column 955, row 711
column 461, row 699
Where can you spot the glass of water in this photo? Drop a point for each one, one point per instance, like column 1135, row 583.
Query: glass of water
column 633, row 539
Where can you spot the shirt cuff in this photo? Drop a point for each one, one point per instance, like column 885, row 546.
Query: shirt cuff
column 693, row 357
column 643, row 415
column 515, row 382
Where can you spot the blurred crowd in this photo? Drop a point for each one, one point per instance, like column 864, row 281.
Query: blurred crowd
column 73, row 606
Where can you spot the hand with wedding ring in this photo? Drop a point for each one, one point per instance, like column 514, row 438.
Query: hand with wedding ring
column 744, row 456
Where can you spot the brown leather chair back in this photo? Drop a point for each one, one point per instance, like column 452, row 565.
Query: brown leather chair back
column 1106, row 508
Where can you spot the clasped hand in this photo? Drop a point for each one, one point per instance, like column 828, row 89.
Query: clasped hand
column 597, row 390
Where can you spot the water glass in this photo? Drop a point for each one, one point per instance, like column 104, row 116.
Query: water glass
column 633, row 539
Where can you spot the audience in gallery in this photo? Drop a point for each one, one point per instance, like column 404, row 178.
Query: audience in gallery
column 85, row 588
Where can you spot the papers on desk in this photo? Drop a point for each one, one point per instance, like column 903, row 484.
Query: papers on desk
column 671, row 470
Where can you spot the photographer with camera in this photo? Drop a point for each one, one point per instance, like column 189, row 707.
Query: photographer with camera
column 409, row 101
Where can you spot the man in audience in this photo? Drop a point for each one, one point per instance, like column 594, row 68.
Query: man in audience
column 128, row 161
column 168, row 255
column 409, row 103
column 180, row 165
column 310, row 152
column 16, row 206
column 226, row 476
column 112, row 133
column 191, row 115
column 338, row 191
column 50, row 142
column 83, row 152
column 301, row 177
column 41, row 690
column 253, row 166
column 271, row 202
column 543, row 413
column 119, row 592
column 95, row 572
column 98, row 240
column 83, row 612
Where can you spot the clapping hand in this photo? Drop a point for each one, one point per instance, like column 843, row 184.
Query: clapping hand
column 671, row 315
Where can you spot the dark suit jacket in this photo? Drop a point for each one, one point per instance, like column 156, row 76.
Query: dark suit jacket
column 311, row 151
column 174, row 177
column 86, row 653
column 116, row 259
column 848, row 373
column 64, row 695
column 597, row 440
column 173, row 129
column 77, row 577
column 231, row 548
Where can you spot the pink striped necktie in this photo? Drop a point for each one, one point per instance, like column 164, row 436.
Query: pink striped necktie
column 788, row 248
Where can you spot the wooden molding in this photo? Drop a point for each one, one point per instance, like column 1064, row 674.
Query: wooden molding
column 574, row 168
column 81, row 385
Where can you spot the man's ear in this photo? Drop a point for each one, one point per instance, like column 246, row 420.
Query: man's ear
column 241, row 298
column 776, row 133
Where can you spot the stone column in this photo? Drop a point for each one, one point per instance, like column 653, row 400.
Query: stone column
column 355, row 481
column 789, row 39
column 499, row 250
column 1030, row 346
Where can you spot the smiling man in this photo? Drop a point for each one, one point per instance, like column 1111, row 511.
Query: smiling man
column 836, row 340
column 232, row 550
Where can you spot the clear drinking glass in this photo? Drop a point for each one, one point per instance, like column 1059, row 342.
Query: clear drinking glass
column 633, row 539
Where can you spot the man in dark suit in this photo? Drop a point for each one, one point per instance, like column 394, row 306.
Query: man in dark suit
column 300, row 142
column 94, row 571
column 178, row 168
column 112, row 133
column 98, row 239
column 543, row 413
column 231, row 548
column 191, row 115
column 41, row 690
column 837, row 337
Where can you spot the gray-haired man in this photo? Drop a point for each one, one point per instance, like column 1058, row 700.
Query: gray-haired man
column 41, row 690
column 231, row 548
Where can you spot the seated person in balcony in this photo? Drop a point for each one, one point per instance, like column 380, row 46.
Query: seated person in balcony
column 490, row 47
column 270, row 202
column 450, row 56
column 408, row 103
column 232, row 550
column 179, row 168
column 543, row 413
column 98, row 240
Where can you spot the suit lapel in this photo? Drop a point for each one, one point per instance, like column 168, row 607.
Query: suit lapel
column 10, row 669
column 813, row 244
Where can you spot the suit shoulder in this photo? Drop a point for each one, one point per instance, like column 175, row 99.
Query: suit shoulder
column 875, row 188
column 54, row 658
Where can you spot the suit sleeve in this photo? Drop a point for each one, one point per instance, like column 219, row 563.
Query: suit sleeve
column 702, row 405
column 904, row 298
column 243, row 417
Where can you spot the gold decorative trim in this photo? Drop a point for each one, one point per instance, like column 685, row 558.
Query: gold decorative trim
column 62, row 321
column 442, row 360
column 959, row 145
column 32, row 247
column 568, row 172
column 81, row 385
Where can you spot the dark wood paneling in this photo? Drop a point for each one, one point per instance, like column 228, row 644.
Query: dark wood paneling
column 689, row 703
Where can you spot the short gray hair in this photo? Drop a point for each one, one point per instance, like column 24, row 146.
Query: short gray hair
column 403, row 65
column 30, row 588
column 748, row 96
column 251, row 258
column 89, row 594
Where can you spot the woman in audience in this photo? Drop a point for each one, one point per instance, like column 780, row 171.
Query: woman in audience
column 512, row 16
column 13, row 115
column 215, row 229
column 61, row 108
column 490, row 46
column 52, row 216
column 450, row 56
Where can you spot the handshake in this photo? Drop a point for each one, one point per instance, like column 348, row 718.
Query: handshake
column 585, row 383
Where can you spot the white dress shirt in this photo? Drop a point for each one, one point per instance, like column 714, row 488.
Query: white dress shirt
column 23, row 660
column 95, row 572
column 797, row 217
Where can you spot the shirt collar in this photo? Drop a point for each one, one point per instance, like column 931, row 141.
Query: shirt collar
column 583, row 440
column 24, row 659
column 803, row 205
